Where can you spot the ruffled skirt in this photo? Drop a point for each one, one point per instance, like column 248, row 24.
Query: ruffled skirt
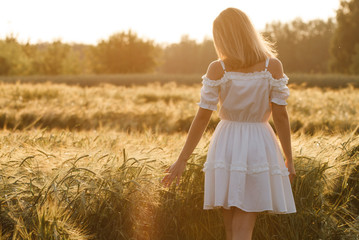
column 245, row 169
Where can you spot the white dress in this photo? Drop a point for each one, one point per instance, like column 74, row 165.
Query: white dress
column 244, row 166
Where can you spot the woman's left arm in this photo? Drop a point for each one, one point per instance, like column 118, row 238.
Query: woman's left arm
column 198, row 126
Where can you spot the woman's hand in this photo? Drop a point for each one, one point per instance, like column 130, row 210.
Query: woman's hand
column 175, row 170
column 291, row 170
column 196, row 130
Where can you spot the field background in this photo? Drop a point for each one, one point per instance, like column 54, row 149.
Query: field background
column 325, row 80
column 88, row 130
column 81, row 158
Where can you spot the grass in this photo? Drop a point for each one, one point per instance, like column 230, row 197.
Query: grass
column 85, row 185
column 168, row 108
column 334, row 81
column 49, row 187
column 85, row 163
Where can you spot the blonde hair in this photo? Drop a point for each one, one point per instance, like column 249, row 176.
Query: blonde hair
column 236, row 41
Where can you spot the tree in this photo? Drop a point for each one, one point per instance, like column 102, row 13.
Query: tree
column 13, row 59
column 4, row 66
column 188, row 56
column 54, row 57
column 354, row 67
column 49, row 58
column 181, row 57
column 77, row 60
column 302, row 46
column 207, row 54
column 124, row 53
column 346, row 37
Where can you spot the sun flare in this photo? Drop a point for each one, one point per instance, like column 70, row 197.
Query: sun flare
column 159, row 20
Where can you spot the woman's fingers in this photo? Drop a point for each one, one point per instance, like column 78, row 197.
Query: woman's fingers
column 163, row 181
column 292, row 176
column 174, row 171
column 291, row 170
column 167, row 180
column 170, row 177
column 170, row 180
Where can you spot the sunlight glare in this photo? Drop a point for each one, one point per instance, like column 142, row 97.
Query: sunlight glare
column 159, row 20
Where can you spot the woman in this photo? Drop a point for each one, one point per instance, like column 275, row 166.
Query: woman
column 245, row 173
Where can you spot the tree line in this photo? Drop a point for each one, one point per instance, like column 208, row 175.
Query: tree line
column 317, row 46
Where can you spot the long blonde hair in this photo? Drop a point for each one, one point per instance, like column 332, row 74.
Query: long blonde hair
column 236, row 41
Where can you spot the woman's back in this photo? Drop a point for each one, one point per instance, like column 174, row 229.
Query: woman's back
column 245, row 96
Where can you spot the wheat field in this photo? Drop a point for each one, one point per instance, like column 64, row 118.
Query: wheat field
column 167, row 108
column 85, row 163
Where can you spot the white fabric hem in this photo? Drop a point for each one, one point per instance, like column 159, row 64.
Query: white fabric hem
column 274, row 170
column 279, row 101
column 207, row 106
column 279, row 82
column 213, row 83
column 209, row 207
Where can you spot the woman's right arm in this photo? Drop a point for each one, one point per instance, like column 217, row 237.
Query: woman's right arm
column 280, row 115
column 198, row 126
column 282, row 126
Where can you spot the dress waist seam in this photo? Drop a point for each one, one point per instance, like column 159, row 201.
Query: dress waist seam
column 242, row 122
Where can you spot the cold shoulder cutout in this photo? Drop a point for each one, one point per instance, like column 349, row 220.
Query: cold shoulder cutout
column 278, row 82
column 215, row 70
column 209, row 93
column 211, row 82
column 275, row 67
column 279, row 90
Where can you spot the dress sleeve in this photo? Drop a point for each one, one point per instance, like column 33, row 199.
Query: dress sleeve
column 279, row 90
column 209, row 93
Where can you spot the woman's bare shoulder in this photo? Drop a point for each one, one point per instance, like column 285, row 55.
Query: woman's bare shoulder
column 275, row 67
column 215, row 70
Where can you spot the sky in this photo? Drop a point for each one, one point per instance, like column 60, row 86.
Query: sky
column 164, row 21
